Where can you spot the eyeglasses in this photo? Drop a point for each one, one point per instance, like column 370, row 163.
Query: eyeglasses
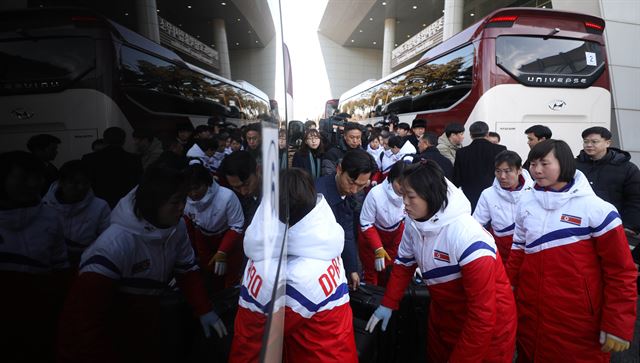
column 313, row 138
column 591, row 142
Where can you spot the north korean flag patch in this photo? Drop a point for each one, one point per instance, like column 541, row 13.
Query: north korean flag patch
column 141, row 266
column 566, row 218
column 441, row 256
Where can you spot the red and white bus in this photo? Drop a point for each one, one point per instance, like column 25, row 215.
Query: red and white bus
column 72, row 73
column 515, row 68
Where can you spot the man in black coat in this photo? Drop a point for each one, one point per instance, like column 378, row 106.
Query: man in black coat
column 474, row 167
column 352, row 140
column 173, row 156
column 429, row 151
column 114, row 172
column 343, row 192
column 242, row 173
column 45, row 148
column 418, row 127
column 611, row 174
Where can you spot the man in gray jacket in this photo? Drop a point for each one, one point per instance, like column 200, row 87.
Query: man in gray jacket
column 451, row 141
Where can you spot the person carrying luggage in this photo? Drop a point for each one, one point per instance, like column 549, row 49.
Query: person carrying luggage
column 472, row 312
column 381, row 227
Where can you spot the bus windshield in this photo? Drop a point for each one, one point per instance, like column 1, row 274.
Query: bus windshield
column 536, row 61
column 44, row 64
column 330, row 108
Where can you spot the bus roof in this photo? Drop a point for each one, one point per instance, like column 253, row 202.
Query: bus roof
column 476, row 30
column 132, row 38
column 253, row 89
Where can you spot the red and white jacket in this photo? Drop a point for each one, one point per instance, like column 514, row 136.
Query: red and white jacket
column 382, row 209
column 32, row 241
column 81, row 222
column 375, row 153
column 209, row 162
column 497, row 206
column 114, row 304
column 573, row 273
column 381, row 225
column 217, row 214
column 318, row 318
column 390, row 158
column 34, row 274
column 472, row 313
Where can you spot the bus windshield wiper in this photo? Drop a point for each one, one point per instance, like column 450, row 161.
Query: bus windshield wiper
column 24, row 33
column 552, row 33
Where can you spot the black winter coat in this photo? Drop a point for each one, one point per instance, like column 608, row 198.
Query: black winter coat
column 474, row 169
column 432, row 153
column 114, row 172
column 615, row 179
column 333, row 156
column 302, row 160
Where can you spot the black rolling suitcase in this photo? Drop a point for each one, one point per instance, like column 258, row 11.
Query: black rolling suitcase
column 405, row 339
column 379, row 346
column 412, row 320
column 214, row 349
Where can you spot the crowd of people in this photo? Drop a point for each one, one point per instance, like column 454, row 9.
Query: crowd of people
column 519, row 256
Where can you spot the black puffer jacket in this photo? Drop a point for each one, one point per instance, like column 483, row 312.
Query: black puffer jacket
column 615, row 179
column 432, row 153
column 333, row 156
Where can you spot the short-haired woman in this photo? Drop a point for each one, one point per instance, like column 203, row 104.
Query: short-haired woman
column 113, row 312
column 498, row 203
column 34, row 268
column 472, row 314
column 571, row 267
column 82, row 215
column 318, row 325
column 381, row 227
column 214, row 219
column 398, row 148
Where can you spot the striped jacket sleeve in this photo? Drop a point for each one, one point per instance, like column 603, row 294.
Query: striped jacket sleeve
column 619, row 274
column 403, row 269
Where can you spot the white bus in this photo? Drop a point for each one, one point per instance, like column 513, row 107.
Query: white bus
column 72, row 74
column 515, row 68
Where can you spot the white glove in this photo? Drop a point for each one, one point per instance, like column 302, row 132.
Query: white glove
column 381, row 255
column 611, row 343
column 220, row 268
column 219, row 262
column 173, row 284
column 211, row 320
column 382, row 313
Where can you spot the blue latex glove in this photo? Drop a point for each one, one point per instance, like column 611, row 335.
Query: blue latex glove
column 211, row 320
column 382, row 313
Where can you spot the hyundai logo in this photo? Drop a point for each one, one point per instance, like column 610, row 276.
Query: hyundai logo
column 21, row 114
column 557, row 105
